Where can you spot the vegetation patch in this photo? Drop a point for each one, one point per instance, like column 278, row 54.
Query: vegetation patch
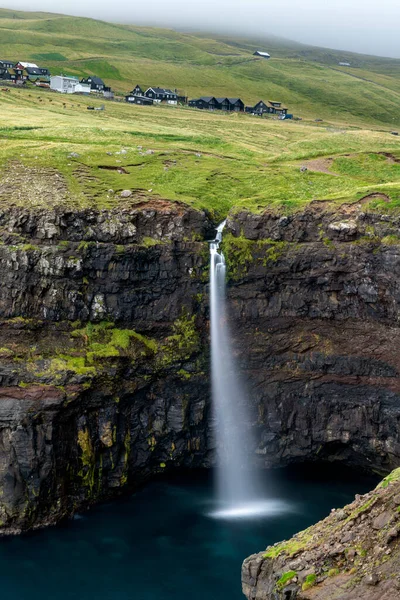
column 392, row 477
column 285, row 579
column 309, row 582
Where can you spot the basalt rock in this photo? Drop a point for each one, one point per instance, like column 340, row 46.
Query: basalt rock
column 104, row 348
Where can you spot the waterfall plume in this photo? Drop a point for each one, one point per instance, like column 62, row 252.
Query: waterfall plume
column 238, row 490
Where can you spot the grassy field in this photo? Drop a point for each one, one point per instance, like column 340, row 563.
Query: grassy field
column 308, row 80
column 218, row 162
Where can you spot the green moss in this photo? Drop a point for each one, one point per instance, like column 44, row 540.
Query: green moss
column 6, row 352
column 147, row 242
column 183, row 342
column 184, row 374
column 29, row 248
column 391, row 240
column 333, row 572
column 274, row 250
column 286, row 577
column 362, row 509
column 309, row 582
column 238, row 253
column 103, row 340
column 76, row 364
column 290, row 547
column 392, row 477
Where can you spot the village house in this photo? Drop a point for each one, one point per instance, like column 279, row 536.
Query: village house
column 270, row 107
column 64, row 84
column 222, row 104
column 3, row 70
column 136, row 99
column 161, row 95
column 24, row 71
column 262, row 54
column 24, row 65
column 137, row 91
column 96, row 84
column 204, row 103
column 35, row 75
column 236, row 105
column 212, row 103
column 7, row 64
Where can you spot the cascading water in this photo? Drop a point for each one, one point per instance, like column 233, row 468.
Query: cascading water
column 238, row 490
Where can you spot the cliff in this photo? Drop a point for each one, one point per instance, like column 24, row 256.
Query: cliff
column 104, row 346
column 353, row 554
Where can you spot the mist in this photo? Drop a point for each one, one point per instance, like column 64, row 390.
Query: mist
column 363, row 26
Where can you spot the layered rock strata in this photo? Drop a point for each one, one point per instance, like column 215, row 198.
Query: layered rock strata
column 104, row 346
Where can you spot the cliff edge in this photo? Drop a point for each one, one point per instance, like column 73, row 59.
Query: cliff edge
column 354, row 554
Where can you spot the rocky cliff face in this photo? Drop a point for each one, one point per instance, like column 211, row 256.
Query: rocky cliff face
column 353, row 554
column 104, row 346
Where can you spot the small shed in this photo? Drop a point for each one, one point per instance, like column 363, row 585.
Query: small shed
column 262, row 54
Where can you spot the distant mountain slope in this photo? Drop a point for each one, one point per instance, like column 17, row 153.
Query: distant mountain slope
column 307, row 79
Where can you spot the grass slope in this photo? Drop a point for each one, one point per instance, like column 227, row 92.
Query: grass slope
column 217, row 162
column 306, row 79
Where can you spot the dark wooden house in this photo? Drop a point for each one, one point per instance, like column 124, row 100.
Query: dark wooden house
column 277, row 108
column 258, row 109
column 236, row 104
column 223, row 104
column 272, row 108
column 204, row 103
column 3, row 71
column 96, row 84
column 137, row 91
column 162, row 95
column 35, row 73
column 136, row 99
column 7, row 64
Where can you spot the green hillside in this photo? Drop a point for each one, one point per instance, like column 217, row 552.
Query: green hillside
column 308, row 80
column 53, row 151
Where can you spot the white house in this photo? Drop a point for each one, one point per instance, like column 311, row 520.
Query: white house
column 262, row 54
column 63, row 84
column 82, row 88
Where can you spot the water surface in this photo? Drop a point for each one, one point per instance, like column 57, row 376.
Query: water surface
column 161, row 543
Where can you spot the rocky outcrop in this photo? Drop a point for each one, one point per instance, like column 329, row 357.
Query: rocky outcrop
column 318, row 221
column 104, row 348
column 353, row 554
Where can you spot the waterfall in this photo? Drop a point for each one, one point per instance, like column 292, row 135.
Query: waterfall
column 238, row 487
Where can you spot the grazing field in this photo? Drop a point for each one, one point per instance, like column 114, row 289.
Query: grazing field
column 308, row 80
column 55, row 151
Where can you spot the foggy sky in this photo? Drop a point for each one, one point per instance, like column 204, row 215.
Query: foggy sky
column 367, row 26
